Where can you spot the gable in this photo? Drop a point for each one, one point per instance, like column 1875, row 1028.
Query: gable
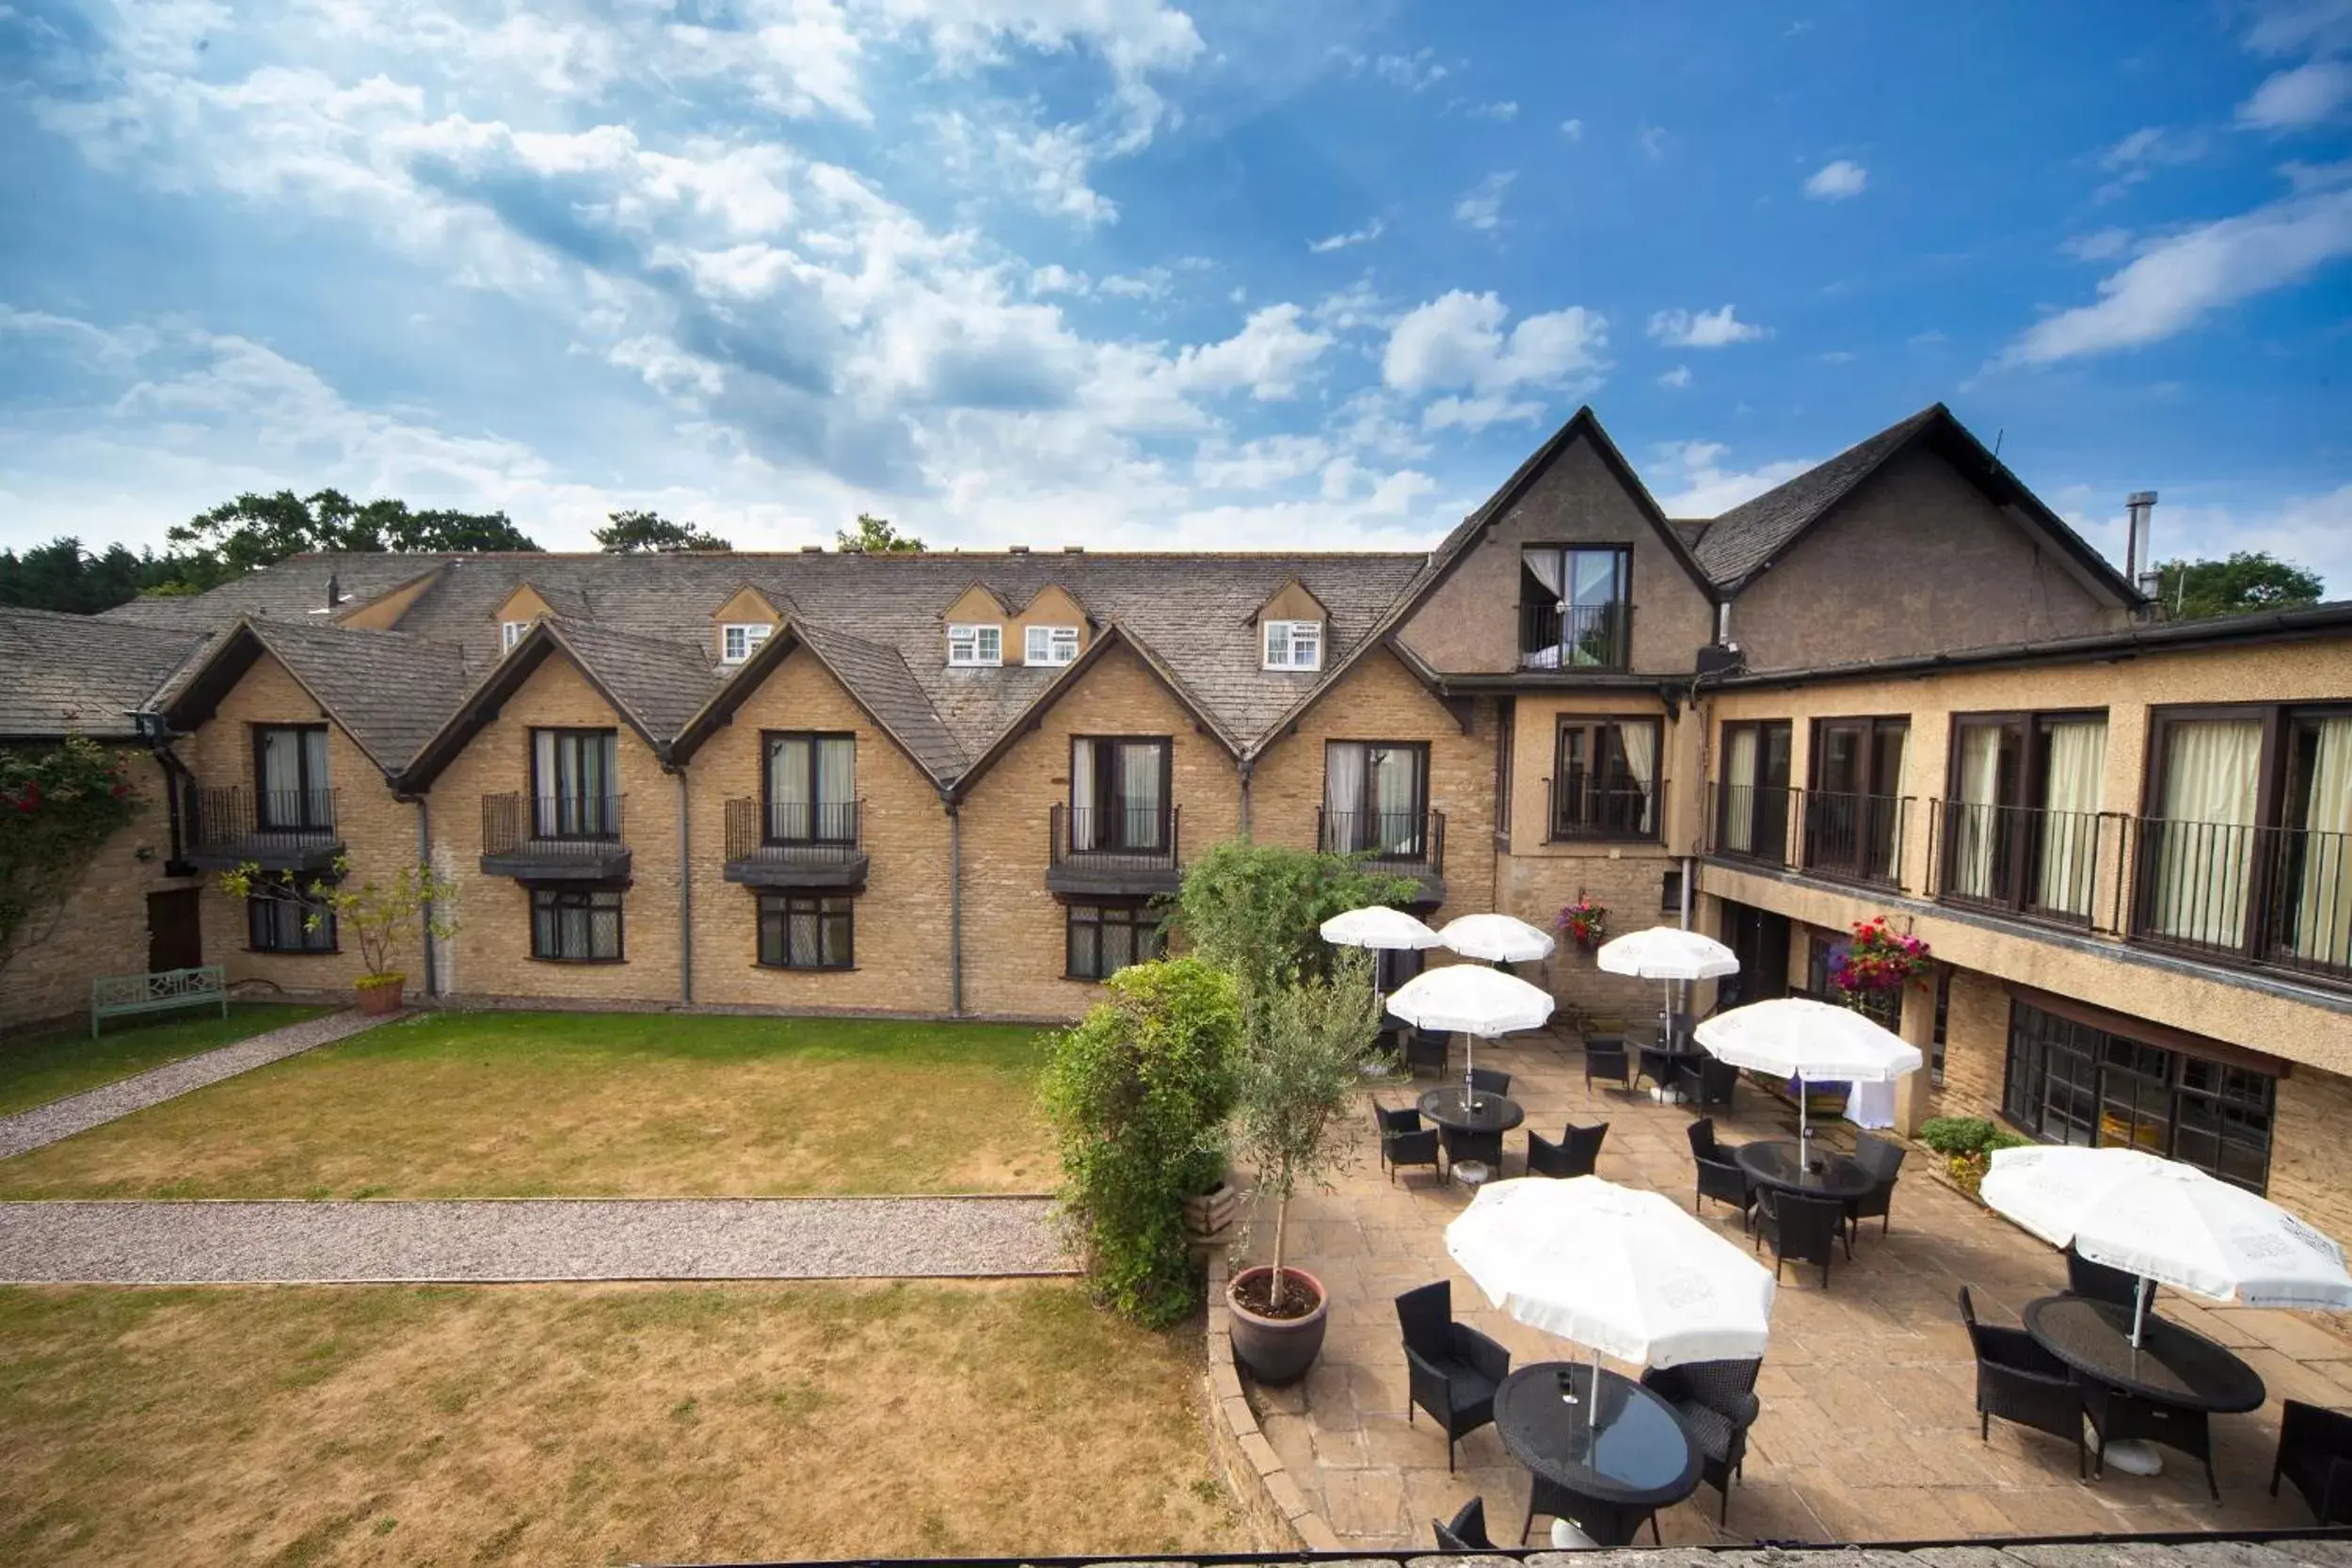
column 1291, row 602
column 383, row 611
column 748, row 606
column 1052, row 605
column 976, row 605
column 524, row 603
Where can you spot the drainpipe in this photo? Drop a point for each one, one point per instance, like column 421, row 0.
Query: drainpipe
column 955, row 908
column 425, row 858
column 685, row 896
column 178, row 782
column 1246, row 766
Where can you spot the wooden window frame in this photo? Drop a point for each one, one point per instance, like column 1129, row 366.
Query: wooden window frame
column 256, row 903
column 1595, row 725
column 1778, row 854
column 1134, row 914
column 561, row 896
column 1564, row 548
column 781, row 907
column 540, row 789
column 308, row 789
column 768, row 739
column 1116, row 812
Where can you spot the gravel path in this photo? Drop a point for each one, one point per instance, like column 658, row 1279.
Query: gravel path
column 377, row 1241
column 45, row 1123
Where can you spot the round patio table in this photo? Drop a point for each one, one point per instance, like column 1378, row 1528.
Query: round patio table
column 1607, row 1470
column 2177, row 1376
column 1780, row 1164
column 1451, row 1109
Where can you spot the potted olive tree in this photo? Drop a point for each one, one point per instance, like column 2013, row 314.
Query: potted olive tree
column 377, row 918
column 1304, row 1041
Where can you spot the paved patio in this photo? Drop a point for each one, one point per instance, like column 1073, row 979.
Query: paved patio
column 1869, row 1428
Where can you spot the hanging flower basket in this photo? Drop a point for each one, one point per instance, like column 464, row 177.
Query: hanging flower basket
column 1879, row 959
column 1585, row 923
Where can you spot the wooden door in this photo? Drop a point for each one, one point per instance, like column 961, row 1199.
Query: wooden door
column 175, row 936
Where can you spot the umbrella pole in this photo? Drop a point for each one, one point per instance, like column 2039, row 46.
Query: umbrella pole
column 1592, row 1397
column 2139, row 1309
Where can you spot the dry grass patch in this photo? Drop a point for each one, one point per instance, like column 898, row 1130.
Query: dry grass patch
column 594, row 1424
column 38, row 1068
column 571, row 1104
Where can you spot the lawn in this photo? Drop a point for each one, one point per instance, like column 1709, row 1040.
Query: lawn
column 39, row 1068
column 502, row 1104
column 595, row 1424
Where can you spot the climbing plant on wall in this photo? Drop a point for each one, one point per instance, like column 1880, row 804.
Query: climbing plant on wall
column 59, row 804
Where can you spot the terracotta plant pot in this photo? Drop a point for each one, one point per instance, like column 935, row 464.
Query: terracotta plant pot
column 375, row 1000
column 1276, row 1350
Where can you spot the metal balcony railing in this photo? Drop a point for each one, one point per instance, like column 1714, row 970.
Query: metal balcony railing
column 1584, row 807
column 1750, row 822
column 1854, row 838
column 588, row 825
column 2274, row 896
column 1403, row 840
column 1580, row 636
column 803, row 831
column 2026, row 859
column 260, row 821
column 1129, row 837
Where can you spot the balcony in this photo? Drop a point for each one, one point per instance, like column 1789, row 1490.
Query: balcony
column 1582, row 807
column 278, row 830
column 554, row 837
column 1400, row 843
column 1123, row 851
column 1596, row 637
column 2018, row 860
column 1853, row 838
column 795, row 844
column 2277, row 898
column 1750, row 822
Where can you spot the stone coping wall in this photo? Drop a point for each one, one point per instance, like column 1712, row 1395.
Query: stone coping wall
column 1279, row 1514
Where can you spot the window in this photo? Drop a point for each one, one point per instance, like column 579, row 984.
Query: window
column 575, row 784
column 1506, row 746
column 511, row 632
column 1294, row 644
column 576, row 925
column 803, row 931
column 1576, row 608
column 1376, row 799
column 1604, row 782
column 291, row 787
column 1752, row 804
column 1104, row 938
column 2068, row 1082
column 1670, row 892
column 2021, row 817
column 1118, row 794
column 1050, row 644
column 1854, row 812
column 811, row 789
column 739, row 640
column 1822, row 950
column 975, row 645
column 279, row 925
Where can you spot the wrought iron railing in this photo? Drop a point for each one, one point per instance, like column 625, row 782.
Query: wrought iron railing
column 550, row 825
column 1583, row 807
column 795, row 830
column 260, row 819
column 1409, row 840
column 2021, row 859
column 1581, row 636
column 2275, row 896
column 1854, row 838
column 1750, row 822
column 1123, row 837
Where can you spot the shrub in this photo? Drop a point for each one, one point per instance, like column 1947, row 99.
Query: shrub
column 1255, row 910
column 1967, row 1144
column 377, row 918
column 59, row 805
column 1138, row 1094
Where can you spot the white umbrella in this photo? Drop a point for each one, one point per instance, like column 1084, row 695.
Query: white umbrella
column 1615, row 1269
column 1473, row 1000
column 1379, row 927
column 2170, row 1222
column 1669, row 953
column 1504, row 939
column 1797, row 1038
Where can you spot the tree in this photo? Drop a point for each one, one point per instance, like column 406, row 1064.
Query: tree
column 876, row 536
column 59, row 805
column 1256, row 910
column 377, row 918
column 62, row 575
column 2249, row 580
column 635, row 533
column 256, row 530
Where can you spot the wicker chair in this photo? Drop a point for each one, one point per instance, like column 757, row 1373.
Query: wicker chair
column 1605, row 1056
column 1576, row 1154
column 1720, row 1176
column 2101, row 1283
column 1802, row 1228
column 1403, row 1140
column 1451, row 1368
column 1466, row 1531
column 1709, row 1083
column 2316, row 1453
column 2116, row 1416
column 1490, row 1081
column 1883, row 1161
column 2019, row 1381
column 1717, row 1400
column 1425, row 1047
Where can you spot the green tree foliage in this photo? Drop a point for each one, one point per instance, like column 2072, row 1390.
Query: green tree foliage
column 634, row 533
column 1256, row 910
column 2249, row 580
column 377, row 918
column 255, row 530
column 1138, row 1095
column 62, row 575
column 876, row 535
column 59, row 804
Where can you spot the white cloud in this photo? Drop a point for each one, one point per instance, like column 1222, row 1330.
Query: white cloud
column 2288, row 26
column 1482, row 206
column 1696, row 484
column 2310, row 94
column 1457, row 344
column 1365, row 235
column 1677, row 377
column 1476, row 413
column 1653, row 142
column 2309, row 177
column 2174, row 282
column 1414, row 72
column 1262, row 464
column 1057, row 279
column 2139, row 154
column 1505, row 109
column 1926, row 339
column 2100, row 245
column 1681, row 328
column 1267, row 358
column 1153, row 282
column 1836, row 181
column 1572, row 129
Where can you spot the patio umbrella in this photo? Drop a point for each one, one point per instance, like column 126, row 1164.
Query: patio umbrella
column 1669, row 953
column 1797, row 1038
column 1615, row 1269
column 1381, row 929
column 1503, row 938
column 2170, row 1222
column 1474, row 1001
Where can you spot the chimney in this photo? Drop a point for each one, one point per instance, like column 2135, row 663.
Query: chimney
column 1017, row 549
column 1073, row 550
column 333, row 596
column 2139, row 554
column 812, row 549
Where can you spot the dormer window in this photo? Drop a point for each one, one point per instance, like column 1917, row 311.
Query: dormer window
column 1050, row 644
column 511, row 632
column 738, row 640
column 1294, row 644
column 976, row 645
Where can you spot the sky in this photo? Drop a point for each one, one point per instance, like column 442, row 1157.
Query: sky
column 1142, row 274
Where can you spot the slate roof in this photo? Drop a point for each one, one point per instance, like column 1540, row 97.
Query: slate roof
column 658, row 683
column 1743, row 538
column 879, row 678
column 66, row 672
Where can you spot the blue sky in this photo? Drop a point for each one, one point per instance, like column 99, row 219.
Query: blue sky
column 1143, row 273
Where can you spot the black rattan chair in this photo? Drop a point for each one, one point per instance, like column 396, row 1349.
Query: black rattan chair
column 2116, row 1416
column 2316, row 1453
column 1452, row 1368
column 1717, row 1400
column 1883, row 1161
column 1605, row 1056
column 1720, row 1176
column 1466, row 1531
column 1462, row 1143
column 1490, row 1081
column 1807, row 1230
column 2019, row 1381
column 1709, row 1083
column 1425, row 1047
column 1403, row 1140
column 2101, row 1283
column 1576, row 1154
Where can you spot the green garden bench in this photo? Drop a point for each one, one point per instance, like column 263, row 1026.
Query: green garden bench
column 116, row 996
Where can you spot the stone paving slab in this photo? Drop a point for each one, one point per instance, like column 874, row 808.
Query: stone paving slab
column 520, row 1239
column 46, row 1124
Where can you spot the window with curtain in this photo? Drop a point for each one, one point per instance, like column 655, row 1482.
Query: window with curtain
column 1119, row 793
column 1854, row 812
column 1752, row 798
column 1376, row 798
column 1506, row 746
column 2314, row 887
column 276, row 925
column 1575, row 607
column 2021, row 824
column 806, row 931
column 1103, row 938
column 2199, row 850
column 291, row 789
column 1605, row 778
column 1050, row 645
column 813, row 787
column 575, row 783
column 576, row 925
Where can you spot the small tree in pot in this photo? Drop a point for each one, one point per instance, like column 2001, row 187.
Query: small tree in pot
column 377, row 918
column 1299, row 1078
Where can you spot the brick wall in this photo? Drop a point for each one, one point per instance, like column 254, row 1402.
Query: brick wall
column 1976, row 1046
column 1013, row 955
column 900, row 936
column 490, row 956
column 2311, row 1171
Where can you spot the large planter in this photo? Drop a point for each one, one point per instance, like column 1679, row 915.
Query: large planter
column 1209, row 1217
column 1276, row 1350
column 376, row 1001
